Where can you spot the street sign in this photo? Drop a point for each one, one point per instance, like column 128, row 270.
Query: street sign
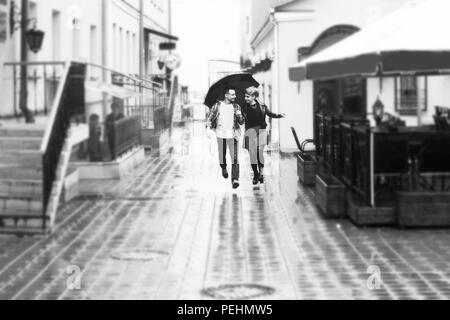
column 173, row 61
column 167, row 46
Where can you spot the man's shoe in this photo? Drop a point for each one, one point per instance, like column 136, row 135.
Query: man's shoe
column 255, row 179
column 225, row 173
column 235, row 184
column 261, row 178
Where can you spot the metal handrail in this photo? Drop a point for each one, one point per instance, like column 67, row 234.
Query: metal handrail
column 34, row 63
column 54, row 109
column 138, row 80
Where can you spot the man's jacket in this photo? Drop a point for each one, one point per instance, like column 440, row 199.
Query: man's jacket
column 238, row 119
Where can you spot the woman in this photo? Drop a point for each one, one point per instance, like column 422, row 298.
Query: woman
column 255, row 131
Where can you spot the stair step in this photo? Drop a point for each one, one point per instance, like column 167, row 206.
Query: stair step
column 28, row 203
column 20, row 187
column 21, row 157
column 10, row 172
column 20, row 214
column 19, row 221
column 24, row 231
column 21, row 143
column 22, row 130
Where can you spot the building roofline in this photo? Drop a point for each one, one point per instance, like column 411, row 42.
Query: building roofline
column 262, row 32
column 283, row 3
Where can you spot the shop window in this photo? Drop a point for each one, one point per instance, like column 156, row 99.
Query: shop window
column 3, row 21
column 410, row 93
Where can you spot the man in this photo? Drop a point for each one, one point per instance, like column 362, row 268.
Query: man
column 113, row 117
column 225, row 119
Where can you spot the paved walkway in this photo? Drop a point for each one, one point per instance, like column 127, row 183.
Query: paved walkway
column 174, row 229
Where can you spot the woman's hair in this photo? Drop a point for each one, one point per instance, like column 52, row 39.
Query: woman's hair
column 253, row 91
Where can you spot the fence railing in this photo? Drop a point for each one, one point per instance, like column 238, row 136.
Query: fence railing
column 124, row 135
column 376, row 163
column 43, row 79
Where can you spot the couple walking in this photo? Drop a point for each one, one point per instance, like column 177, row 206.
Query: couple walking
column 226, row 118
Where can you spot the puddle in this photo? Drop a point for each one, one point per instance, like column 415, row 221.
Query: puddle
column 138, row 255
column 238, row 291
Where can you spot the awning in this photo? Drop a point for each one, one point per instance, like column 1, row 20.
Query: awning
column 113, row 90
column 161, row 34
column 411, row 40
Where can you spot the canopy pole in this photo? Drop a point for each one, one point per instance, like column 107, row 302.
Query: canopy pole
column 418, row 109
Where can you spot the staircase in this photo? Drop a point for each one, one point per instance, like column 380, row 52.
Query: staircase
column 21, row 190
column 21, row 178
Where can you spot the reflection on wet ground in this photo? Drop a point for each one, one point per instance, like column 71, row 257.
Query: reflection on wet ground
column 174, row 229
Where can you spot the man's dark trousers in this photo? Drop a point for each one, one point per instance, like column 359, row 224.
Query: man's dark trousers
column 232, row 145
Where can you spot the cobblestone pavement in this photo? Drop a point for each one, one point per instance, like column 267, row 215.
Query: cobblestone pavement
column 174, row 229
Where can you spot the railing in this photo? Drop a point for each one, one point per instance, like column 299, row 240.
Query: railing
column 124, row 135
column 55, row 134
column 139, row 96
column 378, row 163
column 331, row 143
column 442, row 118
column 355, row 158
column 158, row 114
column 43, row 80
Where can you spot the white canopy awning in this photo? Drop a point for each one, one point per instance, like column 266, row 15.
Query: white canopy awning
column 412, row 40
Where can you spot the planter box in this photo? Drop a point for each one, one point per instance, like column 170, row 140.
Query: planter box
column 117, row 169
column 306, row 170
column 362, row 215
column 157, row 142
column 330, row 196
column 423, row 209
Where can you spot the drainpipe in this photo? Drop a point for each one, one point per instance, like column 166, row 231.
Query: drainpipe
column 169, row 29
column 23, row 103
column 170, row 17
column 141, row 49
column 105, row 51
column 141, row 39
column 276, row 68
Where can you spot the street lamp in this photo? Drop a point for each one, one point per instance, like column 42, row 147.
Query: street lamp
column 35, row 38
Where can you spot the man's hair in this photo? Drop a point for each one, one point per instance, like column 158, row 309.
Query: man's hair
column 227, row 90
column 252, row 91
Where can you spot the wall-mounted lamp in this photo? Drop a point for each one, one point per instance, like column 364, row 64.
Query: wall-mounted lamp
column 34, row 37
column 161, row 64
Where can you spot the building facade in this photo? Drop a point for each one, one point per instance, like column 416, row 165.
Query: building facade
column 107, row 33
column 285, row 32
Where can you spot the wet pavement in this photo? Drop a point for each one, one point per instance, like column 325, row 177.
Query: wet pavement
column 175, row 229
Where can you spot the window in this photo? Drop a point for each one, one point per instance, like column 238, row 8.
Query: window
column 56, row 35
column 76, row 39
column 93, row 47
column 127, row 53
column 114, row 46
column 410, row 92
column 247, row 25
column 121, row 51
column 3, row 21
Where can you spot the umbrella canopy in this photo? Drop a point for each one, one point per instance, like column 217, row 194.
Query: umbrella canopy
column 411, row 40
column 239, row 82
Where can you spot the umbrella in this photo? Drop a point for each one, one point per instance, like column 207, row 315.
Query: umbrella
column 239, row 82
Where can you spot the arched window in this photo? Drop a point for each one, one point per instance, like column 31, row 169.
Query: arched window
column 327, row 38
